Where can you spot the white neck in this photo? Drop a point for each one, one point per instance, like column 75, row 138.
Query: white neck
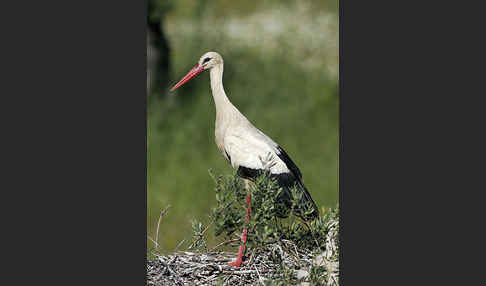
column 221, row 101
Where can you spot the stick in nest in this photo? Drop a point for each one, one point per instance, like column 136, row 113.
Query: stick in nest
column 260, row 279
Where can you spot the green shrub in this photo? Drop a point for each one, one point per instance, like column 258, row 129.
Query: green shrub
column 265, row 226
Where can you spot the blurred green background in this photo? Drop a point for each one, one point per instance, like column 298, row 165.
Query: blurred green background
column 281, row 72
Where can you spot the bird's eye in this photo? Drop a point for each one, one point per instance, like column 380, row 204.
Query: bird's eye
column 206, row 60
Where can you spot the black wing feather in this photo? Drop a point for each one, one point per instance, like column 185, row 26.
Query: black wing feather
column 290, row 164
column 296, row 179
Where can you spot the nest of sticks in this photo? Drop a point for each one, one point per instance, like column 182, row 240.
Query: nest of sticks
column 280, row 263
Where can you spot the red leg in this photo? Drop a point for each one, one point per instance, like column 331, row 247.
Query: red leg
column 241, row 251
column 248, row 210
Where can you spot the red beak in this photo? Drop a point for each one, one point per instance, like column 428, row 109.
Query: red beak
column 197, row 69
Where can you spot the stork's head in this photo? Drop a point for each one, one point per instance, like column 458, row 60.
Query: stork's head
column 208, row 61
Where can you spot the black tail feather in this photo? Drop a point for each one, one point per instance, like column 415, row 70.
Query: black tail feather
column 305, row 208
column 307, row 202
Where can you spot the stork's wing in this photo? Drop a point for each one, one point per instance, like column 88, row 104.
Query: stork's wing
column 247, row 147
column 282, row 155
column 249, row 153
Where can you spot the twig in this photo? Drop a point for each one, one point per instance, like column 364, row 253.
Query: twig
column 210, row 278
column 162, row 213
column 180, row 243
column 155, row 242
column 252, row 256
column 242, row 271
column 224, row 243
column 260, row 279
column 207, row 227
column 295, row 256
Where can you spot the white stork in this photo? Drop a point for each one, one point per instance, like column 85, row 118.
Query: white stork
column 248, row 149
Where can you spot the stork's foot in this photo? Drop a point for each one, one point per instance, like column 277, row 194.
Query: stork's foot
column 236, row 263
column 238, row 260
